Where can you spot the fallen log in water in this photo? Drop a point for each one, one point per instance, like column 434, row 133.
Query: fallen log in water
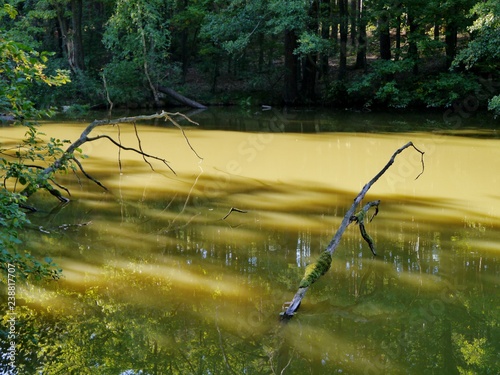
column 322, row 265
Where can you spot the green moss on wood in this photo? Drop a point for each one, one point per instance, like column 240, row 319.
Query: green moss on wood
column 316, row 270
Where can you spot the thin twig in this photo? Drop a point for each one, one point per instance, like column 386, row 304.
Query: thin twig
column 233, row 209
column 186, row 202
column 97, row 182
column 60, row 186
column 120, row 146
column 140, row 147
column 184, row 134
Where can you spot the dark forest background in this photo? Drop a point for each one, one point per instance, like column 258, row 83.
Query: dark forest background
column 340, row 53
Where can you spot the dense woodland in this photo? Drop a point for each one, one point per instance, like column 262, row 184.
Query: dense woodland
column 341, row 53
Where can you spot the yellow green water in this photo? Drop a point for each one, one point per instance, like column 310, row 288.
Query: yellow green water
column 157, row 282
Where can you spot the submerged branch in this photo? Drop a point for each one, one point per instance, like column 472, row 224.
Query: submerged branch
column 320, row 267
column 233, row 209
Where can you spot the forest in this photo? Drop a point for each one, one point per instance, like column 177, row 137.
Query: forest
column 363, row 54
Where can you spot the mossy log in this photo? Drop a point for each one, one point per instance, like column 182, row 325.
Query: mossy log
column 316, row 270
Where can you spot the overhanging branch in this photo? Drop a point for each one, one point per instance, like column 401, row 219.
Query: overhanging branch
column 68, row 154
column 143, row 154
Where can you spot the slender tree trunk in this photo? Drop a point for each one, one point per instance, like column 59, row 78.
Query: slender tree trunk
column 184, row 39
column 412, row 42
column 354, row 21
column 152, row 86
column 308, row 86
column 335, row 22
column 436, row 28
column 451, row 42
column 260, row 38
column 290, row 95
column 326, row 15
column 67, row 40
column 384, row 36
column 362, row 38
column 344, row 24
column 397, row 53
column 77, row 13
column 72, row 36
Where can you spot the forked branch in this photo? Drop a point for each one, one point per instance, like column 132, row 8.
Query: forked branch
column 68, row 154
column 320, row 267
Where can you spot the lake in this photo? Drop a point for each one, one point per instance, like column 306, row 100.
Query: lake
column 159, row 279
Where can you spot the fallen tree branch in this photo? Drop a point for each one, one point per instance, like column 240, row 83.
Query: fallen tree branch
column 69, row 154
column 320, row 267
column 180, row 98
column 143, row 154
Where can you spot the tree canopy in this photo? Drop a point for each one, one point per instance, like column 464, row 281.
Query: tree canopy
column 338, row 52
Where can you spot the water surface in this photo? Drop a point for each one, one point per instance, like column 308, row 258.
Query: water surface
column 157, row 282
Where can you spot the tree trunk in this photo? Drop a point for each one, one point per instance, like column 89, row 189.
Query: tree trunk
column 290, row 95
column 397, row 54
column 412, row 41
column 451, row 42
column 326, row 18
column 308, row 87
column 436, row 28
column 362, row 38
column 384, row 36
column 76, row 21
column 72, row 36
column 184, row 44
column 180, row 98
column 309, row 69
column 344, row 24
column 354, row 21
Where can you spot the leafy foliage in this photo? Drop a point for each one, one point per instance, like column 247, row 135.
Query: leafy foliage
column 494, row 105
column 138, row 45
column 21, row 67
column 380, row 85
column 138, row 37
column 446, row 88
column 484, row 48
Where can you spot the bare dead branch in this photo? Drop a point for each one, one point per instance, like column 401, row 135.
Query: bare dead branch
column 91, row 178
column 60, row 186
column 119, row 145
column 140, row 147
column 359, row 218
column 120, row 149
column 183, row 133
column 332, row 246
column 84, row 137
